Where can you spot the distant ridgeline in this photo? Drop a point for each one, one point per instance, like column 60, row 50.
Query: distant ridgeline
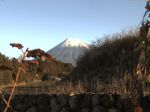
column 31, row 72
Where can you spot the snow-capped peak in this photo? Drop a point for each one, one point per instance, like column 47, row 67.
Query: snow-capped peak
column 69, row 50
column 73, row 42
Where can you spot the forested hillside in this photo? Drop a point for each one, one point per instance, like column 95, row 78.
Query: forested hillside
column 31, row 72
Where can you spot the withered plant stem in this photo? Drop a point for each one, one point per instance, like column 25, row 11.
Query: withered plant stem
column 13, row 88
column 3, row 98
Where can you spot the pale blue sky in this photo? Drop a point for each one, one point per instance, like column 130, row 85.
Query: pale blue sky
column 45, row 23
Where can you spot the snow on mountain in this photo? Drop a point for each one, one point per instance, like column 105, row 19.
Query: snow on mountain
column 69, row 50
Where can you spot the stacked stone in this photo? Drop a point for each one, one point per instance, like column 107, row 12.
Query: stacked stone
column 76, row 103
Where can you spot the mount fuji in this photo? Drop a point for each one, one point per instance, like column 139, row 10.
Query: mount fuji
column 69, row 50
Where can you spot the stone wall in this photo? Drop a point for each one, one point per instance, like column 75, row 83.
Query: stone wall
column 76, row 103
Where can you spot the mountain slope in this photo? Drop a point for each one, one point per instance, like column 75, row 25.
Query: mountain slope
column 69, row 50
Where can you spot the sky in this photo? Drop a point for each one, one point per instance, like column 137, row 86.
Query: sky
column 45, row 23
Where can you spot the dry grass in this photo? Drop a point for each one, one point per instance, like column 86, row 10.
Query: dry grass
column 116, row 86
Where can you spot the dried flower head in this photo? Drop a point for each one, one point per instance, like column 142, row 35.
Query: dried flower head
column 17, row 45
column 38, row 53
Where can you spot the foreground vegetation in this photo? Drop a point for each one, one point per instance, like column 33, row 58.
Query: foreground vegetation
column 110, row 66
column 119, row 58
column 118, row 65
